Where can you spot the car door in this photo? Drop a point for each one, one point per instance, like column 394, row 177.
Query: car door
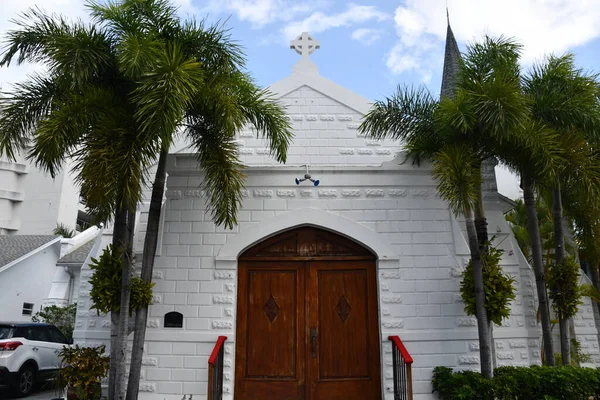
column 58, row 342
column 41, row 343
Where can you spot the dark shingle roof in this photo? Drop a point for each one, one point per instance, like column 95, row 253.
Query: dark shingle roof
column 15, row 246
column 451, row 64
column 78, row 255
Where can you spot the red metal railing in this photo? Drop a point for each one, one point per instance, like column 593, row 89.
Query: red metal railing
column 402, row 370
column 215, row 370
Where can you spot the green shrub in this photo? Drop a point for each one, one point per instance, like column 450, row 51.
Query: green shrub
column 498, row 287
column 61, row 317
column 106, row 284
column 518, row 383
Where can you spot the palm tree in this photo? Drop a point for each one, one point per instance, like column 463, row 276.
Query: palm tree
column 456, row 170
column 80, row 109
column 565, row 99
column 114, row 113
column 487, row 108
column 216, row 109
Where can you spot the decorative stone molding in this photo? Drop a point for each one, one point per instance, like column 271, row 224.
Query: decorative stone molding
column 346, row 151
column 468, row 360
column 221, row 324
column 351, row 193
column 222, row 299
column 392, row 299
column 286, row 193
column 228, row 254
column 327, row 193
column 398, row 192
column 374, row 192
column 263, row 193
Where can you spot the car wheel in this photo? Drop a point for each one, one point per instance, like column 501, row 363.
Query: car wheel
column 25, row 381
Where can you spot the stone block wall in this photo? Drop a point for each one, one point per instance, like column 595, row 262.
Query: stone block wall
column 418, row 292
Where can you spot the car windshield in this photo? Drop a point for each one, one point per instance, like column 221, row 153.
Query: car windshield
column 5, row 332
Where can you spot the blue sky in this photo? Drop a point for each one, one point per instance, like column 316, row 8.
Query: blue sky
column 372, row 46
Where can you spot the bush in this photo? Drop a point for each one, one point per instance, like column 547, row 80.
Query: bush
column 82, row 370
column 516, row 383
column 498, row 287
column 106, row 284
column 61, row 317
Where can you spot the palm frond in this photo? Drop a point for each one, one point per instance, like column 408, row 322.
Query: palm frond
column 224, row 178
column 166, row 92
column 407, row 113
column 21, row 111
column 456, row 168
column 211, row 45
column 564, row 96
column 261, row 110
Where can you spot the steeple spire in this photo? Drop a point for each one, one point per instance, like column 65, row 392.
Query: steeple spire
column 451, row 62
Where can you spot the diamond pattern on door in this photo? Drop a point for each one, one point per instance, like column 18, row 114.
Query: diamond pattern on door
column 271, row 309
column 343, row 308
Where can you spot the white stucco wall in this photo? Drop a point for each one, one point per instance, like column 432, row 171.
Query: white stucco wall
column 27, row 281
column 31, row 202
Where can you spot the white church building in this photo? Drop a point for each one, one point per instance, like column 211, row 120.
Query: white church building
column 313, row 280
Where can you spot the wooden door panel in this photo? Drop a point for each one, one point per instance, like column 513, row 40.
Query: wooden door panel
column 272, row 323
column 343, row 308
column 343, row 322
column 270, row 333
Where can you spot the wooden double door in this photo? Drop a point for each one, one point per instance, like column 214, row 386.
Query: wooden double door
column 307, row 320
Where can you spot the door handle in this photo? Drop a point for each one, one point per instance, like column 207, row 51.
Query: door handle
column 313, row 342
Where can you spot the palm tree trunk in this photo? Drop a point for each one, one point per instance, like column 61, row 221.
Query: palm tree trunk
column 119, row 242
column 123, row 331
column 485, row 350
column 538, row 268
column 481, row 221
column 595, row 280
column 560, row 256
column 149, row 253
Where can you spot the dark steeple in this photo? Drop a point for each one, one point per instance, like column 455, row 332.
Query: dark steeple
column 451, row 63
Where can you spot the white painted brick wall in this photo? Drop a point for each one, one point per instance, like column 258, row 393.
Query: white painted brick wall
column 418, row 299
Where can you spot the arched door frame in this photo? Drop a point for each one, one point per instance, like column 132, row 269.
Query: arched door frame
column 227, row 257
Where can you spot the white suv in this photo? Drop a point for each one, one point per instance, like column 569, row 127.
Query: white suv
column 29, row 354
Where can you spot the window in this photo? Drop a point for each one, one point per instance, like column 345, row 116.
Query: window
column 173, row 319
column 27, row 308
column 40, row 334
column 6, row 332
column 57, row 336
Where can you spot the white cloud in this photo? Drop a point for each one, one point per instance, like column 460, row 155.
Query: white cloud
column 366, row 36
column 541, row 26
column 263, row 12
column 319, row 22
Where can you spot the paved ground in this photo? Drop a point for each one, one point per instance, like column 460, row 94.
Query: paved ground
column 44, row 393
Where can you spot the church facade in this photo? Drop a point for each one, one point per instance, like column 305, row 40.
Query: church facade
column 315, row 278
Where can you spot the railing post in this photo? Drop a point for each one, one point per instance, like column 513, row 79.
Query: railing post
column 402, row 369
column 215, row 370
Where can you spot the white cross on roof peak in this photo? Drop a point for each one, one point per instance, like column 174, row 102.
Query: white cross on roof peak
column 305, row 44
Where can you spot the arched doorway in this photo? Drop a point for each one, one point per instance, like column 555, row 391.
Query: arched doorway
column 307, row 319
